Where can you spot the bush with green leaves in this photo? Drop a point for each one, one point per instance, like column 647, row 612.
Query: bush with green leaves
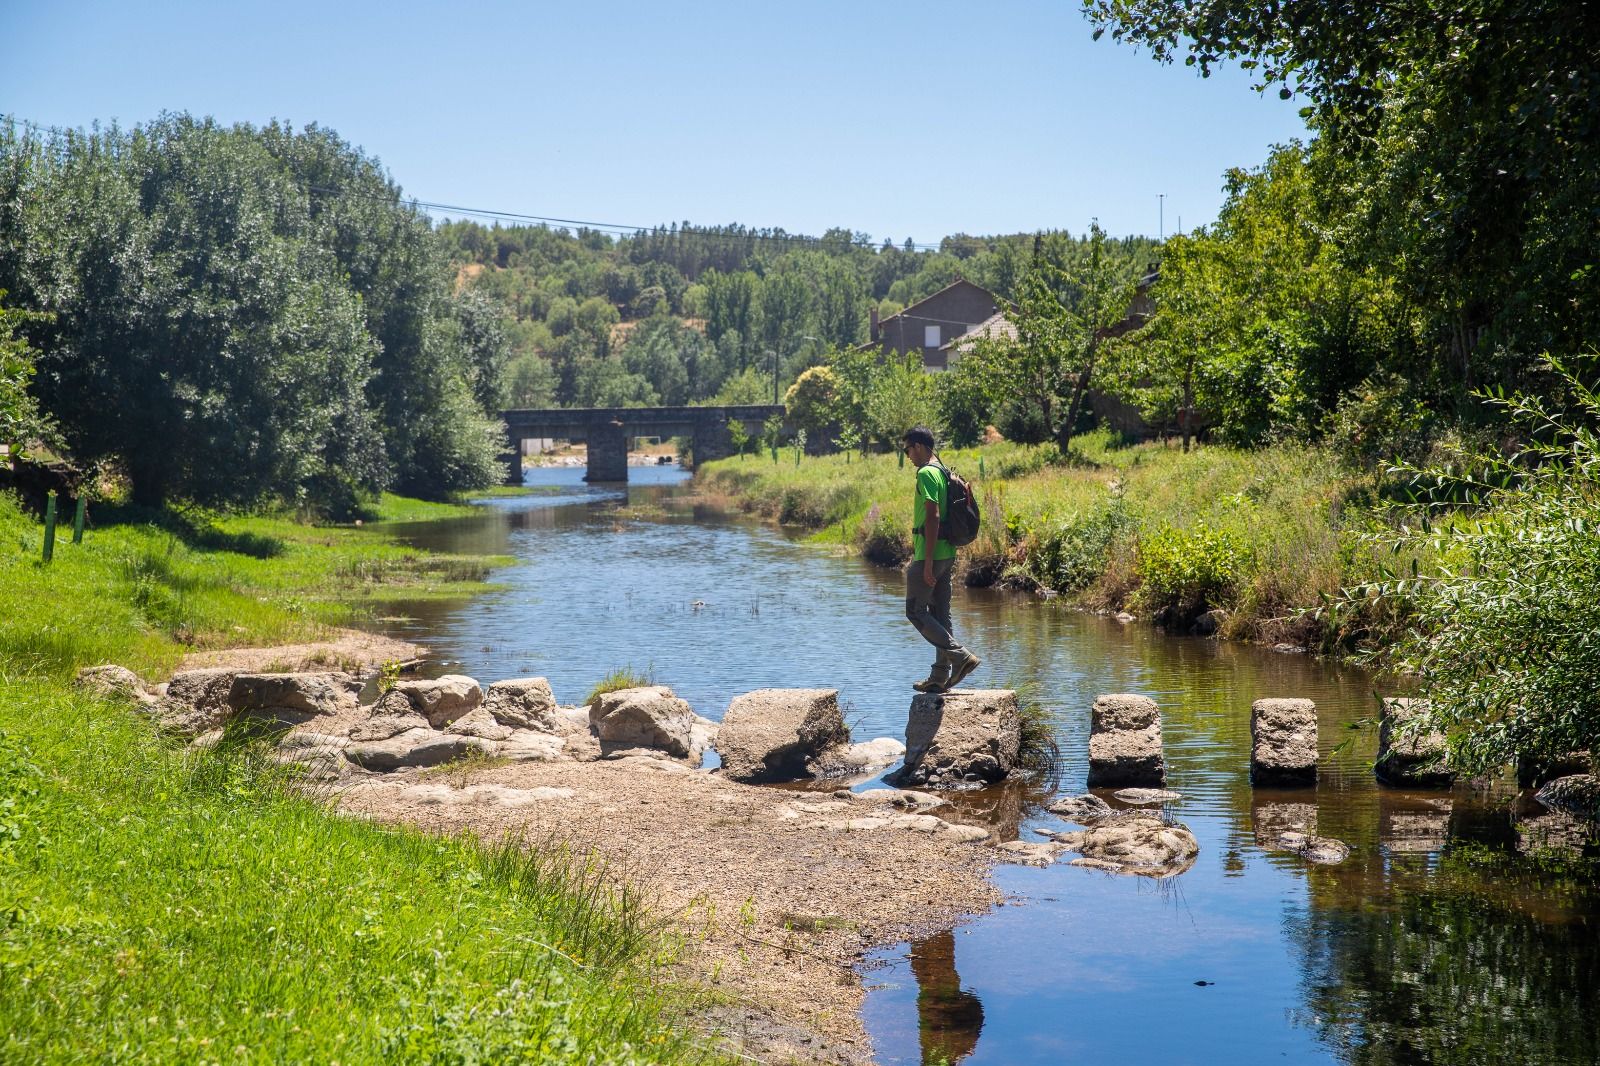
column 1502, row 638
column 1190, row 570
column 1070, row 554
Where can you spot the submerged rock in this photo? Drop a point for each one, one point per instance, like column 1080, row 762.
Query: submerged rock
column 966, row 737
column 1085, row 809
column 1410, row 754
column 861, row 758
column 1141, row 844
column 1283, row 742
column 1324, row 851
column 1029, row 853
column 779, row 734
column 1147, row 795
column 1576, row 794
column 1125, row 743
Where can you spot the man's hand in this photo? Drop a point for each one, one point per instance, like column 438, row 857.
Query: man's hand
column 927, row 572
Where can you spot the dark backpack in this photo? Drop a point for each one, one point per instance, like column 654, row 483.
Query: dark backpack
column 960, row 526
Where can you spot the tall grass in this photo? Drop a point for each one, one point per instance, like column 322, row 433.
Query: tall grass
column 617, row 680
column 162, row 905
column 1265, row 534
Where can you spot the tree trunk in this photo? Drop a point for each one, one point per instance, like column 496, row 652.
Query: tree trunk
column 1186, row 414
column 1064, row 437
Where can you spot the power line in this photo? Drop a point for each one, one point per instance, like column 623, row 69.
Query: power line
column 620, row 229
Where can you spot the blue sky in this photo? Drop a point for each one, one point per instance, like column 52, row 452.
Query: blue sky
column 895, row 119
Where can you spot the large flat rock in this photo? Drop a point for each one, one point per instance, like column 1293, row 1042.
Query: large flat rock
column 415, row 747
column 1125, row 743
column 292, row 699
column 1283, row 743
column 779, row 734
column 961, row 738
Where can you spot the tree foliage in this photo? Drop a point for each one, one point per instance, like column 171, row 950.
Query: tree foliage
column 237, row 312
column 1037, row 378
column 1457, row 157
column 21, row 422
column 1502, row 635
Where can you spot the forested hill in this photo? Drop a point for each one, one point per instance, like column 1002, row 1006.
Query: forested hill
column 685, row 313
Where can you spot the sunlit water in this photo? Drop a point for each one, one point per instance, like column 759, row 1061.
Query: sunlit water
column 1435, row 942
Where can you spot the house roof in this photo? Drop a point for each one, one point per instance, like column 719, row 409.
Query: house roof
column 996, row 325
column 909, row 311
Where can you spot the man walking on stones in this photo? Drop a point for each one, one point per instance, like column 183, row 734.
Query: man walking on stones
column 932, row 560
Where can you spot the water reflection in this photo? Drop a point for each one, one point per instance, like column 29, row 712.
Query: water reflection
column 949, row 1018
column 1437, row 940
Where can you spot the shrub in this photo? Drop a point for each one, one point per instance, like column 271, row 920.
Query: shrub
column 1381, row 420
column 1502, row 633
column 1070, row 555
column 1185, row 572
column 884, row 540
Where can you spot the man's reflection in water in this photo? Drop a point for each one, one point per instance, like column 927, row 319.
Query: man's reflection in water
column 948, row 1017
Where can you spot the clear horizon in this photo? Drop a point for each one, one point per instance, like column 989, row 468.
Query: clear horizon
column 1008, row 119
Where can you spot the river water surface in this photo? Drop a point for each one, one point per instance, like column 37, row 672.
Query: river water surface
column 1464, row 928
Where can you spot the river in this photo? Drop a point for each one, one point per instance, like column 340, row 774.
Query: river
column 1462, row 929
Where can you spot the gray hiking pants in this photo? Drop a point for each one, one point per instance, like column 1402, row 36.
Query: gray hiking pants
column 928, row 608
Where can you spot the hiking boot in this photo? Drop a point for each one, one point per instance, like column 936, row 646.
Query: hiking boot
column 936, row 681
column 961, row 669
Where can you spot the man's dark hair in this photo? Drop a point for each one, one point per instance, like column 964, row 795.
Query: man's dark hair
column 920, row 435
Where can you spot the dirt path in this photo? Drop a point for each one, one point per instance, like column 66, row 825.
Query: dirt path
column 350, row 650
column 777, row 893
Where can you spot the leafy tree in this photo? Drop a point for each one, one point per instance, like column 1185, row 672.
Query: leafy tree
column 607, row 382
column 901, row 396
column 486, row 349
column 531, row 382
column 20, row 419
column 1458, row 140
column 738, row 437
column 812, row 399
column 1044, row 371
column 749, row 387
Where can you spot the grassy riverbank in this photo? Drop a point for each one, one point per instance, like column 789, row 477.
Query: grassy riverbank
column 159, row 905
column 1149, row 528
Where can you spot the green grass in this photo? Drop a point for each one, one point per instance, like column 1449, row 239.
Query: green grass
column 1262, row 534
column 141, row 592
column 162, row 905
column 616, row 680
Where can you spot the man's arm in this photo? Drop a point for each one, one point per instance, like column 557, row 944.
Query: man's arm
column 930, row 537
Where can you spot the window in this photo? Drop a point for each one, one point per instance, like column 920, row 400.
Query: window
column 930, row 336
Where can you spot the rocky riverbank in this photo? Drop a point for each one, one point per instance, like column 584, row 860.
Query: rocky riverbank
column 773, row 893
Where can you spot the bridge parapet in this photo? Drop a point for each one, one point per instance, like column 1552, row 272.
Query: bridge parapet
column 607, row 431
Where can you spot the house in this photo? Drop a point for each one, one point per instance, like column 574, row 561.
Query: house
column 931, row 326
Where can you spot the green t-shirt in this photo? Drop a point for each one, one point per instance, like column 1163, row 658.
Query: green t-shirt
column 931, row 485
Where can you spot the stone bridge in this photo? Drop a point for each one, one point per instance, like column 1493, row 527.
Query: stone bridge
column 607, row 431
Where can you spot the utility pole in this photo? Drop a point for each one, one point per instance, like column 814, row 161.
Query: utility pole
column 1161, row 215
